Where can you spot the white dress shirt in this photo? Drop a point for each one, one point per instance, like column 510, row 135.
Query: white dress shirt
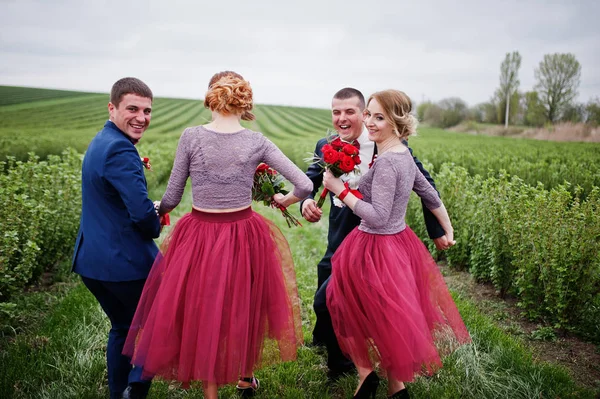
column 366, row 154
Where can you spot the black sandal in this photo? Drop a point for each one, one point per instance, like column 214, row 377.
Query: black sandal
column 248, row 391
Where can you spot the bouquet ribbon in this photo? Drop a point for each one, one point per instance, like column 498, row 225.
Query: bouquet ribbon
column 356, row 193
column 289, row 218
column 323, row 195
column 165, row 220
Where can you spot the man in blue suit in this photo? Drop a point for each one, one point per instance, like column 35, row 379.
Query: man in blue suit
column 115, row 250
column 347, row 109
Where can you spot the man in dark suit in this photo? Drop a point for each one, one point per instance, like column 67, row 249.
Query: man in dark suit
column 115, row 250
column 347, row 109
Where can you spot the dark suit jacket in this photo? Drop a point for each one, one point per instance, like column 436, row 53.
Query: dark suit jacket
column 118, row 221
column 343, row 220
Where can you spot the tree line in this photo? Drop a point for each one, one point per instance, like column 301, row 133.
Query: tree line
column 551, row 101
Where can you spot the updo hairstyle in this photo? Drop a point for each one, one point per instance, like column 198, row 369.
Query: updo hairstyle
column 229, row 94
column 397, row 109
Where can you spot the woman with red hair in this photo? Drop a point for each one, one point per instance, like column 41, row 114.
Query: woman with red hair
column 225, row 281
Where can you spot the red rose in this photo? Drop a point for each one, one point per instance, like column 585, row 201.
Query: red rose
column 263, row 167
column 146, row 163
column 330, row 156
column 356, row 160
column 349, row 149
column 337, row 143
column 346, row 163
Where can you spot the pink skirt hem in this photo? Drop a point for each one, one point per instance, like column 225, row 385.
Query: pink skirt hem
column 390, row 306
column 224, row 287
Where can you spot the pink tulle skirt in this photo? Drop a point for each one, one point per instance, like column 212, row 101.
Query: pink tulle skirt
column 390, row 305
column 224, row 288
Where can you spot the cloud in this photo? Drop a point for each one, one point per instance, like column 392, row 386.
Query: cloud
column 294, row 54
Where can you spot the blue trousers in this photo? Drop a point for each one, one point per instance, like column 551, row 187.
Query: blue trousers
column 119, row 301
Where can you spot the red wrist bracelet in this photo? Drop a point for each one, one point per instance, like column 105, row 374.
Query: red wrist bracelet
column 343, row 194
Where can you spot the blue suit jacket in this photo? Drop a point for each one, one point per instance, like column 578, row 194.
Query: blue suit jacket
column 118, row 221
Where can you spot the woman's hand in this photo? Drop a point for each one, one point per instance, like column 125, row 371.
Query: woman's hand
column 279, row 198
column 444, row 242
column 447, row 240
column 450, row 236
column 331, row 183
column 285, row 200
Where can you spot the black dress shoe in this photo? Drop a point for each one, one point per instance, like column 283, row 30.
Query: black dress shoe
column 401, row 394
column 135, row 391
column 335, row 375
column 316, row 345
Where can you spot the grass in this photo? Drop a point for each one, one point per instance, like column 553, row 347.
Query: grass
column 62, row 354
column 54, row 345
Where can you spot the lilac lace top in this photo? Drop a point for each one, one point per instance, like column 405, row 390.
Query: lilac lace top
column 222, row 167
column 386, row 189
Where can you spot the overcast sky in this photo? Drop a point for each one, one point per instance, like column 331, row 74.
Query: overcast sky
column 295, row 53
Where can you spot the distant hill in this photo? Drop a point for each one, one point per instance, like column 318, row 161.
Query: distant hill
column 47, row 121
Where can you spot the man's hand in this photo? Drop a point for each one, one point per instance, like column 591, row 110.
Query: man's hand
column 444, row 242
column 310, row 211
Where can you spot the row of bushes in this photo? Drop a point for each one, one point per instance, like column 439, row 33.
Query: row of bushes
column 41, row 207
column 534, row 161
column 161, row 154
column 41, row 203
column 541, row 246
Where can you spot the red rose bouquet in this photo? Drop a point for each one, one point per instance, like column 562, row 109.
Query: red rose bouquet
column 339, row 158
column 267, row 183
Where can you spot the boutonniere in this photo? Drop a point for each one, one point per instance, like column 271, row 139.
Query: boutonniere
column 146, row 163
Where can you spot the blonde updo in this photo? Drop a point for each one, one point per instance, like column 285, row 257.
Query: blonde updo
column 228, row 93
column 397, row 109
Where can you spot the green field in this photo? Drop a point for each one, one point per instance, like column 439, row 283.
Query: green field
column 45, row 124
column 47, row 121
column 526, row 215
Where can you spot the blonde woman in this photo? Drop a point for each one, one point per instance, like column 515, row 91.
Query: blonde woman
column 387, row 299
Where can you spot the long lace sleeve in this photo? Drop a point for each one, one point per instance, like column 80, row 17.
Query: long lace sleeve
column 273, row 156
column 425, row 190
column 385, row 178
column 179, row 175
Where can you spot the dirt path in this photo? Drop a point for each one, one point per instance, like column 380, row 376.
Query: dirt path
column 581, row 358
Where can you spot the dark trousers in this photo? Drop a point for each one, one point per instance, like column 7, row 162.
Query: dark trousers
column 323, row 333
column 119, row 301
column 323, row 273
